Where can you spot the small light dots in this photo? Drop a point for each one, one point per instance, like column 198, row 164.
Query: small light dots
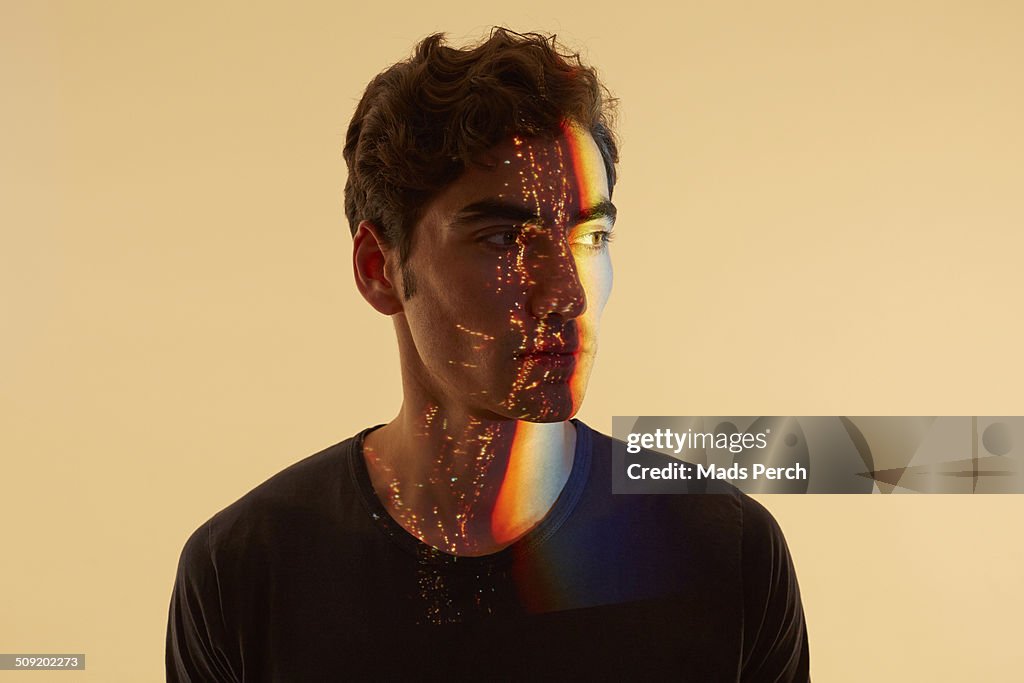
column 474, row 333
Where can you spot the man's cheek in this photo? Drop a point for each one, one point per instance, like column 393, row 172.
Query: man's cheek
column 597, row 283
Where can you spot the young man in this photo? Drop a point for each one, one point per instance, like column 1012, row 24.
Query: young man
column 476, row 533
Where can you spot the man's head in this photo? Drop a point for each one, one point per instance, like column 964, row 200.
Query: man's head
column 422, row 122
column 479, row 196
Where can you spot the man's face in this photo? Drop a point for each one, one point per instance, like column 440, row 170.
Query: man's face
column 512, row 272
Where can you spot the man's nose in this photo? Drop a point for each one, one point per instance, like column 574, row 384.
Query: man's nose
column 555, row 285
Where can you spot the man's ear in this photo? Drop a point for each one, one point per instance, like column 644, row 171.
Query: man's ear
column 374, row 266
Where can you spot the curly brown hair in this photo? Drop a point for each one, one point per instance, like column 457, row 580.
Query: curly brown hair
column 422, row 121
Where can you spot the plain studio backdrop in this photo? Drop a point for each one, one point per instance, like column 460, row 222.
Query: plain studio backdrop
column 820, row 214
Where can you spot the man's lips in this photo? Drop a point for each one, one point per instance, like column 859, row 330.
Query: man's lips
column 542, row 352
column 565, row 344
column 561, row 359
column 550, row 348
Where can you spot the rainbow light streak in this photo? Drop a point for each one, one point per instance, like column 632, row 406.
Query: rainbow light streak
column 588, row 181
column 577, row 190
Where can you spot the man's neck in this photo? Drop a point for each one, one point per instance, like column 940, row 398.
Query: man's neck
column 465, row 485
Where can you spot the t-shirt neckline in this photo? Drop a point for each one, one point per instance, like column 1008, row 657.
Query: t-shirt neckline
column 559, row 512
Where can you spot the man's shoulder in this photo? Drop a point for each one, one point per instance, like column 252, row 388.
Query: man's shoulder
column 307, row 491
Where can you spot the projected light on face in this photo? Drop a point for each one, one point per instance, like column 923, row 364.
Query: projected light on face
column 542, row 263
column 512, row 272
column 519, row 276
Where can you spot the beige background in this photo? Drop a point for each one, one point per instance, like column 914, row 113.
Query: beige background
column 820, row 213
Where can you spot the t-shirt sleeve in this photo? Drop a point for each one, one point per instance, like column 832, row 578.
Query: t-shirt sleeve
column 195, row 625
column 774, row 633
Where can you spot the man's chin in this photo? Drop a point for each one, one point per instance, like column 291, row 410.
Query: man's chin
column 548, row 409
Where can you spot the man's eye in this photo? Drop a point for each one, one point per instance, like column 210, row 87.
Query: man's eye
column 596, row 240
column 505, row 238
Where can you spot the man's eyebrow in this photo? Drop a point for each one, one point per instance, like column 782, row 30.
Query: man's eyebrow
column 493, row 209
column 496, row 209
column 603, row 209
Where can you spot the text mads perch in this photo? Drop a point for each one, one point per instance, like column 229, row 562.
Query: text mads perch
column 736, row 472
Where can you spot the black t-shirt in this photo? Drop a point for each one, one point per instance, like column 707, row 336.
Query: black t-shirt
column 307, row 578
